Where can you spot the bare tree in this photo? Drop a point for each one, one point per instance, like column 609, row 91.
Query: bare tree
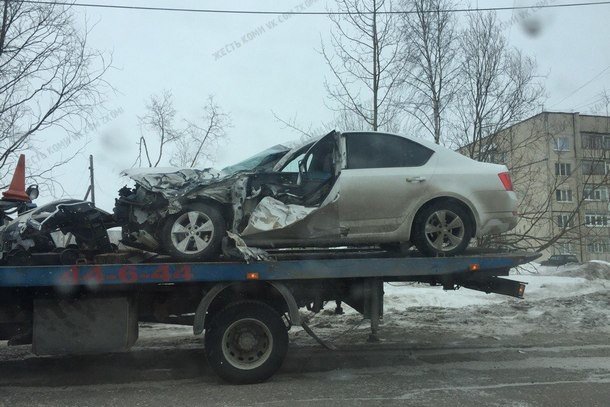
column 342, row 121
column 499, row 85
column 365, row 59
column 201, row 141
column 159, row 124
column 49, row 78
column 430, row 45
column 304, row 131
column 187, row 145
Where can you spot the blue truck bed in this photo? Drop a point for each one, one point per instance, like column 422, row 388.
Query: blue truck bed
column 371, row 266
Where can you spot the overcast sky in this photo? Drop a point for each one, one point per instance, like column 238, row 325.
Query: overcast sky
column 278, row 70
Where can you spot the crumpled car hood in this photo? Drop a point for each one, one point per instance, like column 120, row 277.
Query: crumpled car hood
column 173, row 182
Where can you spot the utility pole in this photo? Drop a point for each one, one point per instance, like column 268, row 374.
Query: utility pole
column 91, row 188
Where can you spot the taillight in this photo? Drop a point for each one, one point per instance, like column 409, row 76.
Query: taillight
column 506, row 181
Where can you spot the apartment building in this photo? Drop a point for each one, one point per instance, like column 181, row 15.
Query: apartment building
column 560, row 163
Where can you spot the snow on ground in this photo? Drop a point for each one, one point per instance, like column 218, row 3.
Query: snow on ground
column 572, row 298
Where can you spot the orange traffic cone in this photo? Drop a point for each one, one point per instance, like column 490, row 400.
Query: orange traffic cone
column 17, row 189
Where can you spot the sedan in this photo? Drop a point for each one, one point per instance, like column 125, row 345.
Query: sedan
column 560, row 260
column 342, row 189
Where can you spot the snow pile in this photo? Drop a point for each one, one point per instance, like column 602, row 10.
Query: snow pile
column 591, row 271
column 573, row 298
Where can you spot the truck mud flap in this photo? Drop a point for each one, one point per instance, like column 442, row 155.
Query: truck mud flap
column 85, row 325
column 494, row 285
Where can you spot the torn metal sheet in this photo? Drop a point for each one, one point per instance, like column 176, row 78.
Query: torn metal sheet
column 272, row 214
column 249, row 253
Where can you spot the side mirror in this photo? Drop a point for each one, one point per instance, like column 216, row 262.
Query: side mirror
column 32, row 192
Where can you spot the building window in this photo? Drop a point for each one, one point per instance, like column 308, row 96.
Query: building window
column 595, row 141
column 591, row 141
column 565, row 248
column 595, row 193
column 565, row 221
column 563, row 169
column 561, row 144
column 497, row 157
column 590, row 167
column 597, row 246
column 563, row 195
column 596, row 219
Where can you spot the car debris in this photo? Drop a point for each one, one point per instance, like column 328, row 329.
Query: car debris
column 67, row 231
column 249, row 253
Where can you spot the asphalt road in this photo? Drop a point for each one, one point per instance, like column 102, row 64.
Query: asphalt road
column 426, row 370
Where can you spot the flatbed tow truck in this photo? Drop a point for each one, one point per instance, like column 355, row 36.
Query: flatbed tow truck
column 243, row 309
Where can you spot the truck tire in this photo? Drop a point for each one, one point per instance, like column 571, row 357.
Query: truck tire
column 442, row 229
column 246, row 342
column 195, row 233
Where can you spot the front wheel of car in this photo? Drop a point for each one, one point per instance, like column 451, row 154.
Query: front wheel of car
column 195, row 233
column 442, row 229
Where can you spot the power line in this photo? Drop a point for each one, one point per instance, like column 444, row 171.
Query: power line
column 582, row 86
column 598, row 99
column 308, row 13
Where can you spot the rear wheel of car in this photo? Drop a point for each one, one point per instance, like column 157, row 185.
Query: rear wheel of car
column 195, row 233
column 246, row 342
column 442, row 229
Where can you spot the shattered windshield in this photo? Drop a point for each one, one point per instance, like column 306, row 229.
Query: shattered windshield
column 266, row 159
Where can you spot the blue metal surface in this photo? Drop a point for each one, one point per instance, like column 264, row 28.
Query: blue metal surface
column 106, row 275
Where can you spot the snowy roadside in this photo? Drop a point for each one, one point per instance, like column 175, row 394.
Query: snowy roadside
column 568, row 299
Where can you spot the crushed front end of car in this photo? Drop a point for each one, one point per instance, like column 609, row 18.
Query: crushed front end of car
column 186, row 213
column 61, row 232
column 143, row 209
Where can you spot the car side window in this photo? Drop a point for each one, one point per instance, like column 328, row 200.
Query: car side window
column 293, row 165
column 375, row 150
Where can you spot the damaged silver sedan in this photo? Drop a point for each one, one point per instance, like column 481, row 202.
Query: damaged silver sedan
column 355, row 188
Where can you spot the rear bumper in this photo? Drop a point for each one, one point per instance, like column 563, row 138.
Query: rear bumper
column 496, row 223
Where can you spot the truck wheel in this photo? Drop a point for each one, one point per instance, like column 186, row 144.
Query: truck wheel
column 195, row 233
column 442, row 229
column 246, row 342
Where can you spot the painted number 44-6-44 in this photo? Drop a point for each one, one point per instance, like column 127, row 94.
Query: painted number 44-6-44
column 125, row 274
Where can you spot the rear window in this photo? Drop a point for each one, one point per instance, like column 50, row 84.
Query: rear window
column 374, row 150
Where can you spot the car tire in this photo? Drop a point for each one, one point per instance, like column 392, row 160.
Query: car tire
column 195, row 233
column 246, row 342
column 442, row 229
